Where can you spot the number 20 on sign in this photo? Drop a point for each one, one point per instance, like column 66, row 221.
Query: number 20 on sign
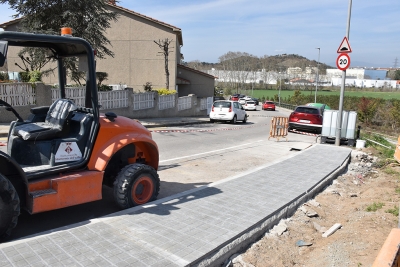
column 343, row 61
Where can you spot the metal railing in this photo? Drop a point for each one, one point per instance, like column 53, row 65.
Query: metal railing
column 287, row 106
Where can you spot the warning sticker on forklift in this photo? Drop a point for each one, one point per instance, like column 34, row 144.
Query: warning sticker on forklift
column 68, row 151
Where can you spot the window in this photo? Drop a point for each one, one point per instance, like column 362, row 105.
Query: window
column 307, row 110
column 223, row 104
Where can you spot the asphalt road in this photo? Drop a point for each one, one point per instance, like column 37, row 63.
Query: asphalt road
column 190, row 156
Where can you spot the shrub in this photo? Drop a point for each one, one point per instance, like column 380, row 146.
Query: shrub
column 35, row 76
column 165, row 91
column 4, row 76
column 104, row 88
column 30, row 76
column 148, row 87
column 24, row 76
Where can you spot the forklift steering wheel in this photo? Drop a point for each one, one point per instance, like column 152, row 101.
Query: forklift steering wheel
column 10, row 108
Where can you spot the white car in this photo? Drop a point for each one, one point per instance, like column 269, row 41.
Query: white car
column 242, row 101
column 227, row 110
column 250, row 105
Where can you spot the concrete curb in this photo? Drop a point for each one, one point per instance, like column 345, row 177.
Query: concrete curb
column 171, row 124
column 149, row 125
column 220, row 256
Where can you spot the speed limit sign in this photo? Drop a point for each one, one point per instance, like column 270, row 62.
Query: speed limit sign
column 343, row 61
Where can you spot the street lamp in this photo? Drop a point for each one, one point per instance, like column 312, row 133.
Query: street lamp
column 316, row 83
column 280, row 84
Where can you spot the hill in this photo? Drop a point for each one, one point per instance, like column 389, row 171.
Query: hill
column 247, row 62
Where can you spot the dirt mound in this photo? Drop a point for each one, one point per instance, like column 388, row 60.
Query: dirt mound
column 364, row 201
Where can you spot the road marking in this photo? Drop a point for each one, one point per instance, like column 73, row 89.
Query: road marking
column 205, row 130
column 209, row 152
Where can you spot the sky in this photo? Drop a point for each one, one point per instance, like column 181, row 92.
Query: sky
column 211, row 28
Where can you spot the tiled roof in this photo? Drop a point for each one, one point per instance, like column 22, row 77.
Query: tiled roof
column 196, row 71
column 11, row 22
column 173, row 28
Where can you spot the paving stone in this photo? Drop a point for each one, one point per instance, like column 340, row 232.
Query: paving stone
column 184, row 229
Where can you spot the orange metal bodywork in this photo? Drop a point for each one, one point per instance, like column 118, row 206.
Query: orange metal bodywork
column 389, row 255
column 65, row 190
column 114, row 135
column 85, row 186
column 397, row 151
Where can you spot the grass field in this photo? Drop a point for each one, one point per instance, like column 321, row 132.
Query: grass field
column 286, row 93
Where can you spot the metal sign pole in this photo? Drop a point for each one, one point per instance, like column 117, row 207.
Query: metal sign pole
column 339, row 121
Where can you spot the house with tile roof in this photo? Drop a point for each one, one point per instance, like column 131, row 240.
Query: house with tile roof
column 137, row 57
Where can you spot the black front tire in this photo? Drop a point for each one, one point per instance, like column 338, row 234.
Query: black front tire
column 9, row 207
column 136, row 184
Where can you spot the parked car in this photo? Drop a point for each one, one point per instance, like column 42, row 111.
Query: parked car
column 242, row 101
column 306, row 118
column 268, row 105
column 319, row 105
column 218, row 98
column 234, row 97
column 256, row 100
column 228, row 110
column 250, row 105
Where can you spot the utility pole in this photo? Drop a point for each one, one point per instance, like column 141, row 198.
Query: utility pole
column 280, row 85
column 340, row 115
column 316, row 84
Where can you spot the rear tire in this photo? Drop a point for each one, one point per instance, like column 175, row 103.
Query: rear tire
column 245, row 119
column 136, row 184
column 234, row 120
column 9, row 207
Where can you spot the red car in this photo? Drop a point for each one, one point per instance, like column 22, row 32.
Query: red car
column 268, row 105
column 306, row 118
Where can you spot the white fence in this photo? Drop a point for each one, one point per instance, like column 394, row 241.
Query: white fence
column 107, row 99
column 18, row 94
column 143, row 101
column 76, row 94
column 113, row 99
column 203, row 104
column 184, row 102
column 166, row 102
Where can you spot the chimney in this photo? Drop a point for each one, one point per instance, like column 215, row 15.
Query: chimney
column 112, row 2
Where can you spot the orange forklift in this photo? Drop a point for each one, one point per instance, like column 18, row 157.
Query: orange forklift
column 63, row 154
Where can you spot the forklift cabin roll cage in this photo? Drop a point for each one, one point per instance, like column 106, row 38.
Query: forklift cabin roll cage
column 62, row 47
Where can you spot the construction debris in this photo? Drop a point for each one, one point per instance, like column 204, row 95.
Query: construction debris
column 331, row 230
column 302, row 243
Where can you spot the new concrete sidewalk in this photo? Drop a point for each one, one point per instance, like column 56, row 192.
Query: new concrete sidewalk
column 200, row 227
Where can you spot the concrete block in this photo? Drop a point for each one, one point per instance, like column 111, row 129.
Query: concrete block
column 331, row 230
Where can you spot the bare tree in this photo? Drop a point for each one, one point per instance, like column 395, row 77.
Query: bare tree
column 164, row 46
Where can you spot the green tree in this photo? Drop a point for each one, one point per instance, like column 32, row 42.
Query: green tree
column 101, row 77
column 397, row 75
column 89, row 20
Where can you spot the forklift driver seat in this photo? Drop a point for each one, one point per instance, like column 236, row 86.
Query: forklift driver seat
column 53, row 124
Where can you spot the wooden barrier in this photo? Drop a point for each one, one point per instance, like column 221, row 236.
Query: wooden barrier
column 389, row 254
column 279, row 127
column 397, row 151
